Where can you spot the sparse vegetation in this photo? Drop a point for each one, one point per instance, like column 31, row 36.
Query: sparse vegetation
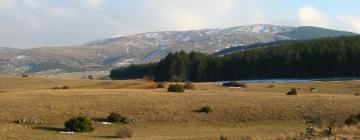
column 189, row 86
column 330, row 124
column 235, row 84
column 223, row 137
column 263, row 113
column 79, row 124
column 65, row 87
column 293, row 91
column 125, row 132
column 271, row 86
column 357, row 94
column 176, row 88
column 161, row 85
column 351, row 120
column 206, row 109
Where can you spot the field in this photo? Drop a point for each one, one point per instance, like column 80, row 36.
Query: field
column 258, row 111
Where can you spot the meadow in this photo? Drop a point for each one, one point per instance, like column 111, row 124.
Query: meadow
column 260, row 111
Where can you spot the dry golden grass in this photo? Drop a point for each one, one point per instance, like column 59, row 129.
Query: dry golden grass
column 237, row 113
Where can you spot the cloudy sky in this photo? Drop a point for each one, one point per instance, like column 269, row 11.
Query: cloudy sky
column 35, row 23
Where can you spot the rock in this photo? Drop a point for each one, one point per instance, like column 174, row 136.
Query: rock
column 129, row 119
column 66, row 132
column 28, row 121
column 105, row 123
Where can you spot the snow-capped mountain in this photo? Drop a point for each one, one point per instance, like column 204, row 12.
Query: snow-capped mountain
column 122, row 50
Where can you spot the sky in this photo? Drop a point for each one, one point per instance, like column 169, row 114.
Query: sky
column 42, row 23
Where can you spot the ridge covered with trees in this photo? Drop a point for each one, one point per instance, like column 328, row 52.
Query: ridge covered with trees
column 321, row 58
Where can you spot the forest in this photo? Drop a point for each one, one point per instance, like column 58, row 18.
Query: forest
column 320, row 58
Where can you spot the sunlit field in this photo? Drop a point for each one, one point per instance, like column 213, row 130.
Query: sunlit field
column 260, row 111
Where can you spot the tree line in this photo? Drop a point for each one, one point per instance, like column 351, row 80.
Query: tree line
column 321, row 58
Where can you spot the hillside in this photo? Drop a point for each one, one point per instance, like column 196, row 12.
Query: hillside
column 7, row 49
column 319, row 58
column 122, row 50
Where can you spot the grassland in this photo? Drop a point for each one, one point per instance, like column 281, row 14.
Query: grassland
column 257, row 111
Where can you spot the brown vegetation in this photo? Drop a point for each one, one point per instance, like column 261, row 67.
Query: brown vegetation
column 257, row 111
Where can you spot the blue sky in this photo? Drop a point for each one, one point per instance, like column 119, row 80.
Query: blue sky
column 37, row 23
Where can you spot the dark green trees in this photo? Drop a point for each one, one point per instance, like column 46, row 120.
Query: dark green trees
column 322, row 58
column 79, row 124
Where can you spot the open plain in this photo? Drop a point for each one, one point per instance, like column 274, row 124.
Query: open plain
column 259, row 111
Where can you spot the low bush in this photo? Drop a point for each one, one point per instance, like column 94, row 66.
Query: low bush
column 189, row 86
column 357, row 94
column 313, row 89
column 25, row 76
column 351, row 120
column 57, row 87
column 161, row 85
column 115, row 117
column 235, row 84
column 271, row 86
column 118, row 118
column 293, row 91
column 358, row 117
column 125, row 132
column 176, row 88
column 65, row 87
column 223, row 137
column 205, row 109
column 79, row 124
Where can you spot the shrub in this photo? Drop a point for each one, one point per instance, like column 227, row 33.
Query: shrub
column 205, row 110
column 65, row 87
column 79, row 124
column 351, row 120
column 189, row 86
column 25, row 76
column 235, row 84
column 176, row 88
column 331, row 123
column 271, row 86
column 115, row 117
column 357, row 94
column 57, row 88
column 313, row 89
column 161, row 85
column 358, row 117
column 125, row 132
column 293, row 91
column 223, row 137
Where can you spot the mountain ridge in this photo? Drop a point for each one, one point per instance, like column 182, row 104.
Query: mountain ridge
column 122, row 50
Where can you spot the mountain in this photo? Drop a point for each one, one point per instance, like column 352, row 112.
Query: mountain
column 7, row 49
column 122, row 50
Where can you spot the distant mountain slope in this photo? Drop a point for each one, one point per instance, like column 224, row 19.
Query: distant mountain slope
column 122, row 50
column 307, row 32
column 253, row 46
column 7, row 49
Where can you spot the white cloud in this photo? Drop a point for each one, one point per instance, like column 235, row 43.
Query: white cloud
column 189, row 14
column 49, row 22
column 310, row 16
column 96, row 4
column 349, row 23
